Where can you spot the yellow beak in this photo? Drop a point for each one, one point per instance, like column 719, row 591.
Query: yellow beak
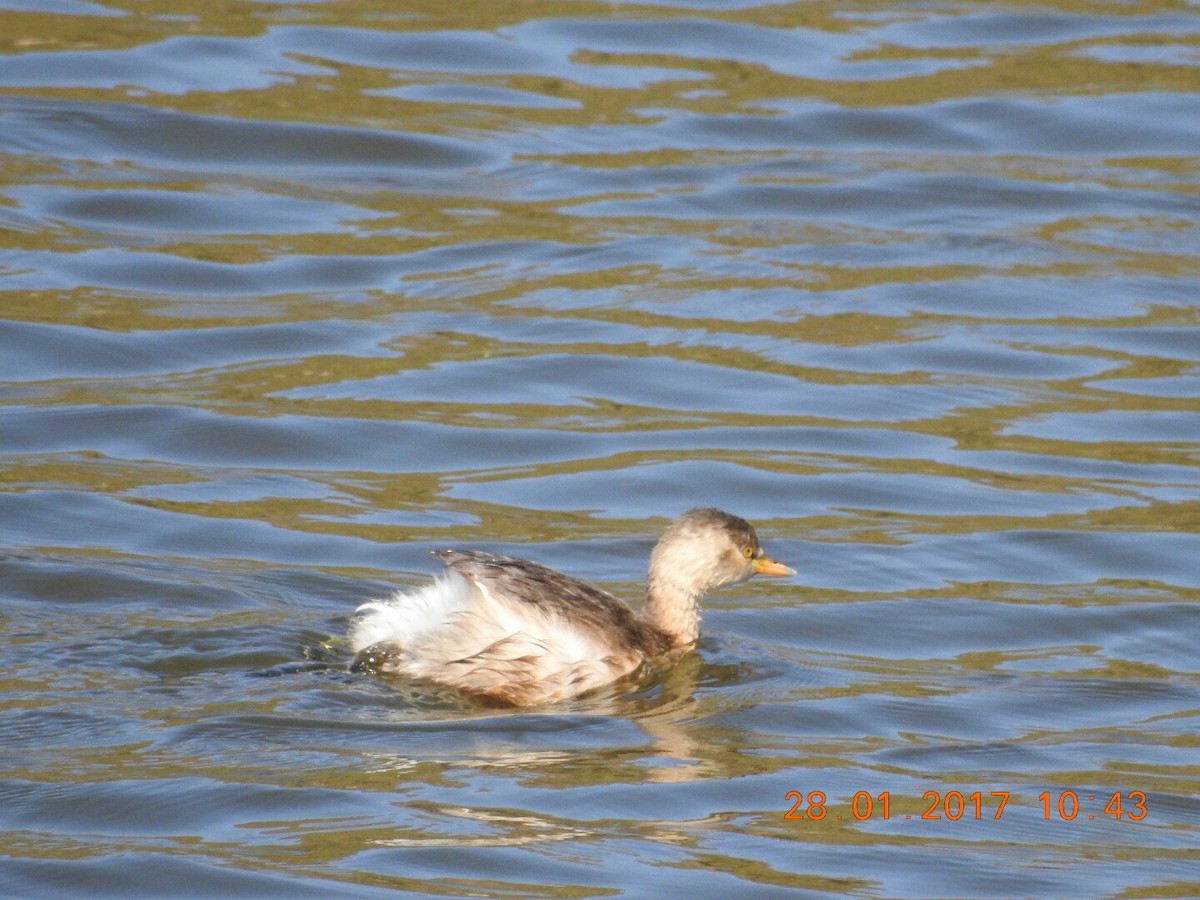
column 764, row 565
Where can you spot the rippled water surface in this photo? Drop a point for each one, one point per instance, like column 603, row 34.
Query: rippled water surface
column 293, row 293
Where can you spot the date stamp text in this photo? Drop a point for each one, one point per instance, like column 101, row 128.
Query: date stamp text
column 954, row 806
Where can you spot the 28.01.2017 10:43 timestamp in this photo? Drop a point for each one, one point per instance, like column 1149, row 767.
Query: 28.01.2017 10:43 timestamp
column 955, row 805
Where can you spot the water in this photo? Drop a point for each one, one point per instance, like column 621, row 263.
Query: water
column 291, row 294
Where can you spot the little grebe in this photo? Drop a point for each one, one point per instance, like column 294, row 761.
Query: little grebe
column 513, row 632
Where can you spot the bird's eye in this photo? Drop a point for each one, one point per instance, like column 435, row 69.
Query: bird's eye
column 748, row 552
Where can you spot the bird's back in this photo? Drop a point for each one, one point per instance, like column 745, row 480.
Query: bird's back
column 506, row 629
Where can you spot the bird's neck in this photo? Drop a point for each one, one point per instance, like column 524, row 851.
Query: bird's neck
column 673, row 606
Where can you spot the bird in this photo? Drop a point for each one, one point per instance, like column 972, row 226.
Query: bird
column 513, row 633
